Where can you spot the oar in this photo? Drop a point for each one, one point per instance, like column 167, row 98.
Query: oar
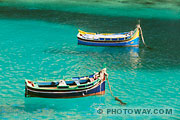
column 116, row 98
column 142, row 38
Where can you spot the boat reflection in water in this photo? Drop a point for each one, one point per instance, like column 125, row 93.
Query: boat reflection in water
column 134, row 58
column 116, row 58
column 93, row 57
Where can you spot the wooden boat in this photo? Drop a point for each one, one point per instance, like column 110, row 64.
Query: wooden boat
column 76, row 87
column 109, row 39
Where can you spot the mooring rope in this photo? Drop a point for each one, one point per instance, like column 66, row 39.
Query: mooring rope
column 142, row 38
column 116, row 98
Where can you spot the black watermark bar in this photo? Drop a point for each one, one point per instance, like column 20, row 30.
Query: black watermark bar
column 136, row 111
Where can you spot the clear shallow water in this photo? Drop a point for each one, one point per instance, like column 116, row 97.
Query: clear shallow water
column 38, row 44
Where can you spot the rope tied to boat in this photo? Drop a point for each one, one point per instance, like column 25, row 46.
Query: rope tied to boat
column 116, row 98
column 142, row 38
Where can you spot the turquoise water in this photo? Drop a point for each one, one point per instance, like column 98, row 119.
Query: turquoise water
column 42, row 44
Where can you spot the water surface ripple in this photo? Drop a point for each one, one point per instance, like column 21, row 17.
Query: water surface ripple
column 37, row 44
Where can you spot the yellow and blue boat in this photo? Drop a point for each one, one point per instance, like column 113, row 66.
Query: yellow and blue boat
column 110, row 39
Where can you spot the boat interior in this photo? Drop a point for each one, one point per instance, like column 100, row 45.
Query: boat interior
column 65, row 84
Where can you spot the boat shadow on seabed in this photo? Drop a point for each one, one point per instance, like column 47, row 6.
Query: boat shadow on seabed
column 43, row 104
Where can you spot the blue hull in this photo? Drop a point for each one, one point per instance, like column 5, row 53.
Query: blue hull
column 134, row 42
column 98, row 90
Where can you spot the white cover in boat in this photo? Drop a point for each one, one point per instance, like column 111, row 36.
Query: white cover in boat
column 62, row 83
column 97, row 36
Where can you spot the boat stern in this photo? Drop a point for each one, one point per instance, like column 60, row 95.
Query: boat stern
column 28, row 83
